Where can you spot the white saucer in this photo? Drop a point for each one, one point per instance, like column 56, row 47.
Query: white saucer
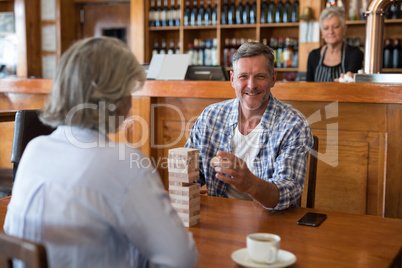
column 285, row 258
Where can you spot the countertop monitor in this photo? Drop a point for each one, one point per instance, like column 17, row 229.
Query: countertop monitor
column 207, row 73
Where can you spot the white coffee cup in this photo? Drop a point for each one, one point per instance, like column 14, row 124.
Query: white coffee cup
column 263, row 247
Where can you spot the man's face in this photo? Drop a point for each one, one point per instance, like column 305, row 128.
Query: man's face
column 252, row 82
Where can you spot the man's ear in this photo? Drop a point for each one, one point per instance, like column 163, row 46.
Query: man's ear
column 274, row 75
column 231, row 78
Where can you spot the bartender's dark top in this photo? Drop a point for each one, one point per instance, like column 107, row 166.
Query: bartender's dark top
column 351, row 61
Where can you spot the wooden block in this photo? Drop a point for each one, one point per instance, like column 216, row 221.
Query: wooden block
column 190, row 222
column 185, row 204
column 189, row 211
column 184, row 177
column 185, row 189
column 183, row 159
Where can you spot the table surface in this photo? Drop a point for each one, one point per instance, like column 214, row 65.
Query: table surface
column 342, row 240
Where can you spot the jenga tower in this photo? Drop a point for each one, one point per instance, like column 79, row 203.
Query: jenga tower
column 184, row 194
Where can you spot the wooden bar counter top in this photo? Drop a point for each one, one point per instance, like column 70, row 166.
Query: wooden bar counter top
column 359, row 126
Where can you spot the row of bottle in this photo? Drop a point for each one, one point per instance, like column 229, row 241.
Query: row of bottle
column 202, row 15
column 392, row 53
column 286, row 51
column 282, row 11
column 163, row 49
column 203, row 52
column 393, row 11
column 166, row 16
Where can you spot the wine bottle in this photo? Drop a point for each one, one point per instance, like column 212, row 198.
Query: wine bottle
column 163, row 47
column 239, row 13
column 279, row 12
column 201, row 14
column 281, row 46
column 295, row 54
column 264, row 12
column 158, row 14
column 295, row 11
column 246, row 13
column 353, row 13
column 224, row 13
column 271, row 12
column 396, row 53
column 232, row 13
column 178, row 47
column 155, row 51
column 226, row 53
column 214, row 16
column 193, row 14
column 208, row 53
column 273, row 43
column 201, row 49
column 187, row 12
column 152, row 11
column 171, row 48
column 387, row 59
column 287, row 12
column 253, row 12
column 208, row 14
column 164, row 13
column 214, row 52
column 178, row 11
column 172, row 14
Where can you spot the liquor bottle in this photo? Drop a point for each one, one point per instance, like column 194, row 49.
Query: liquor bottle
column 287, row 11
column 232, row 13
column 273, row 43
column 233, row 49
column 387, row 59
column 239, row 12
column 295, row 55
column 253, row 12
column 353, row 13
column 164, row 13
column 226, row 53
column 193, row 14
column 152, row 11
column 178, row 47
column 187, row 11
column 155, row 51
column 246, row 13
column 190, row 51
column 171, row 48
column 177, row 22
column 163, row 47
column 396, row 54
column 295, row 11
column 287, row 53
column 214, row 16
column 394, row 11
column 208, row 14
column 363, row 9
column 158, row 14
column 195, row 52
column 172, row 14
column 224, row 13
column 214, row 52
column 264, row 12
column 279, row 12
column 208, row 53
column 200, row 14
column 340, row 4
column 201, row 49
column 271, row 12
column 281, row 46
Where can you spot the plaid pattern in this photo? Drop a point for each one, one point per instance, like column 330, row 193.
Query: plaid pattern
column 284, row 144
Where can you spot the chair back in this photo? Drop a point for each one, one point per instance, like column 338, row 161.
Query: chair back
column 27, row 126
column 33, row 255
column 312, row 175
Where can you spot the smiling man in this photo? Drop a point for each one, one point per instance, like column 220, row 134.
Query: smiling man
column 262, row 143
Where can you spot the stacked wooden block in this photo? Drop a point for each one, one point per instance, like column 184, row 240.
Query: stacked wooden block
column 183, row 167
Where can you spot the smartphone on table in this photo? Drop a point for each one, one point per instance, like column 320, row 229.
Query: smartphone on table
column 312, row 219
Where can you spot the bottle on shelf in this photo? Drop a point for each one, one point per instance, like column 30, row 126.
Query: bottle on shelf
column 279, row 12
column 152, row 11
column 171, row 48
column 224, row 12
column 387, row 59
column 271, row 12
column 287, row 12
column 331, row 3
column 186, row 15
column 340, row 4
column 226, row 53
column 190, row 51
column 208, row 14
column 233, row 49
column 214, row 16
column 194, row 60
column 295, row 54
column 178, row 47
column 287, row 53
column 201, row 49
column 363, row 9
column 295, row 11
column 157, row 13
column 273, row 43
column 155, row 51
column 232, row 12
column 163, row 47
column 177, row 16
column 396, row 54
column 193, row 14
column 253, row 12
column 246, row 12
column 214, row 52
column 264, row 11
column 164, row 14
column 353, row 10
column 201, row 14
column 208, row 53
column 172, row 14
column 279, row 52
column 239, row 12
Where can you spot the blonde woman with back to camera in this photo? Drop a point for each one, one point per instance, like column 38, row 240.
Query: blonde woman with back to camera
column 81, row 195
column 335, row 59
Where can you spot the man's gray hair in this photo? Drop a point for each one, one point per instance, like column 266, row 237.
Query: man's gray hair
column 94, row 72
column 251, row 49
column 331, row 11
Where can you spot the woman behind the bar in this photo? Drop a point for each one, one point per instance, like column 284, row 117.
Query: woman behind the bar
column 90, row 201
column 335, row 58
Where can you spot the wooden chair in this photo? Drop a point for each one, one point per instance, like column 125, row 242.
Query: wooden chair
column 33, row 255
column 27, row 126
column 312, row 176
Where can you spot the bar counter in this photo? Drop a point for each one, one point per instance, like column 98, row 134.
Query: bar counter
column 359, row 126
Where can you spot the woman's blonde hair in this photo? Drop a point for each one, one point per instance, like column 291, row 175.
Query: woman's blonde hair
column 93, row 73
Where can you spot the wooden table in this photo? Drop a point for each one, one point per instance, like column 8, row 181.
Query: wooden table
column 343, row 240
